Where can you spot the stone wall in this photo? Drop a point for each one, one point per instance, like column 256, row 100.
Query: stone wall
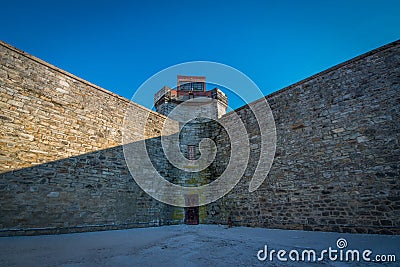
column 336, row 166
column 61, row 162
column 337, row 158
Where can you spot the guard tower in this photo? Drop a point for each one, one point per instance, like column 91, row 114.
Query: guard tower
column 166, row 99
column 212, row 104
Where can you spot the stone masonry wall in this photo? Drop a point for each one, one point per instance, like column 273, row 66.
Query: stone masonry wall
column 336, row 166
column 337, row 158
column 61, row 161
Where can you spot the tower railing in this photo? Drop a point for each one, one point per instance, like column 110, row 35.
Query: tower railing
column 161, row 93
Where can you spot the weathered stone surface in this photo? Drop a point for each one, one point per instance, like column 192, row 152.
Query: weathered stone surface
column 61, row 160
column 53, row 194
column 336, row 166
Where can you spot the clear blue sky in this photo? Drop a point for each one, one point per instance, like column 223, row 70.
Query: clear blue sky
column 119, row 44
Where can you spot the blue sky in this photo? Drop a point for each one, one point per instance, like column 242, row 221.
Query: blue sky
column 118, row 45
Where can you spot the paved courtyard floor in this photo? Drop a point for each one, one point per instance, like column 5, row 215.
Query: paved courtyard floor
column 201, row 245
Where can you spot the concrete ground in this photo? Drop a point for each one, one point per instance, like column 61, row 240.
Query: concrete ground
column 183, row 245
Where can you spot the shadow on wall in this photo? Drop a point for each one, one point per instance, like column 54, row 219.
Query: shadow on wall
column 91, row 191
column 336, row 166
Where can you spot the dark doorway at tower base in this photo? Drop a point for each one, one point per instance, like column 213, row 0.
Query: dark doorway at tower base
column 192, row 215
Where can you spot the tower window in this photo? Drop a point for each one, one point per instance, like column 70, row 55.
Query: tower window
column 197, row 86
column 185, row 86
column 191, row 155
column 191, row 86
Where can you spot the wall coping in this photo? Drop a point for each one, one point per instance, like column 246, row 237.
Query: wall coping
column 282, row 90
column 324, row 72
column 92, row 85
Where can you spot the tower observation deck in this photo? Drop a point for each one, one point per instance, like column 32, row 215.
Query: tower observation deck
column 189, row 87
